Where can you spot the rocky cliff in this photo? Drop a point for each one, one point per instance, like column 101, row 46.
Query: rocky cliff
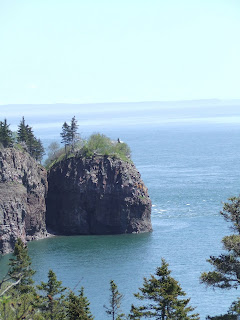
column 99, row 195
column 23, row 188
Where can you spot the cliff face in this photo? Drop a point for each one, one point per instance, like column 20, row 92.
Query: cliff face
column 97, row 196
column 23, row 188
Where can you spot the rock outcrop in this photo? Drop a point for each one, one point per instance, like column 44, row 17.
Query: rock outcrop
column 97, row 195
column 23, row 189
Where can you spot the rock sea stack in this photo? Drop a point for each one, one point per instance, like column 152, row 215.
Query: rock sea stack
column 97, row 195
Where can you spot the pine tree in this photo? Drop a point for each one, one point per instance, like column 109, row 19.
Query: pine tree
column 6, row 138
column 226, row 273
column 20, row 268
column 78, row 307
column 115, row 302
column 161, row 293
column 21, row 288
column 73, row 132
column 38, row 150
column 66, row 135
column 227, row 266
column 22, row 131
column 51, row 303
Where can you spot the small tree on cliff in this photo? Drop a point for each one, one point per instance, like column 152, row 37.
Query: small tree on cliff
column 6, row 138
column 161, row 293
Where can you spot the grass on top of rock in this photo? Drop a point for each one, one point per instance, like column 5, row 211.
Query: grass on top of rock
column 96, row 144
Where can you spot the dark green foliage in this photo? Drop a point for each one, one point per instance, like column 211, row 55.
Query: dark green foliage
column 73, row 132
column 226, row 273
column 51, row 302
column 66, row 135
column 20, row 268
column 227, row 266
column 160, row 295
column 114, row 303
column 69, row 134
column 19, row 290
column 6, row 138
column 78, row 307
column 27, row 138
column 22, row 131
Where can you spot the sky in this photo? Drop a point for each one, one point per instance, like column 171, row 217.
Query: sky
column 90, row 51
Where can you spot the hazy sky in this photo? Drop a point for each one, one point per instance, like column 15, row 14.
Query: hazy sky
column 83, row 51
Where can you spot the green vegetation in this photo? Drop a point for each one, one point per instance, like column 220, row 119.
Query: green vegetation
column 21, row 299
column 114, row 303
column 23, row 139
column 161, row 295
column 97, row 144
column 226, row 273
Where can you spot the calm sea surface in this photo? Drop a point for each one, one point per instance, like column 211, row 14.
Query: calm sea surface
column 190, row 163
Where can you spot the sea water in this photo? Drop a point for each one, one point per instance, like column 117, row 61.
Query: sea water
column 189, row 160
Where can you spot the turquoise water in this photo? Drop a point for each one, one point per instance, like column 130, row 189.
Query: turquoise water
column 190, row 164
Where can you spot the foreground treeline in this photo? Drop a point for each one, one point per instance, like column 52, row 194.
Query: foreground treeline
column 161, row 297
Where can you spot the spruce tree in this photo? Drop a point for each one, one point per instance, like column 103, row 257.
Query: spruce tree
column 21, row 289
column 115, row 302
column 78, row 307
column 73, row 132
column 22, row 131
column 226, row 274
column 6, row 138
column 226, row 266
column 66, row 135
column 20, row 268
column 51, row 303
column 163, row 298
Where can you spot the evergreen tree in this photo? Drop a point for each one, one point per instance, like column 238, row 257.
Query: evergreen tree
column 226, row 273
column 227, row 266
column 21, row 287
column 73, row 132
column 162, row 293
column 5, row 134
column 78, row 307
column 20, row 268
column 22, row 131
column 115, row 302
column 38, row 150
column 66, row 135
column 51, row 304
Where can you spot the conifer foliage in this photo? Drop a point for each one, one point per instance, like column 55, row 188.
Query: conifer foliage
column 51, row 302
column 27, row 137
column 6, row 138
column 78, row 306
column 226, row 273
column 24, row 136
column 114, row 302
column 162, row 297
column 69, row 134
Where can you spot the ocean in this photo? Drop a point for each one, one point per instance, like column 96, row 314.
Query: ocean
column 188, row 157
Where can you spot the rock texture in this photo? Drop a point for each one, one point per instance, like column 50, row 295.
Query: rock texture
column 23, row 189
column 99, row 195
